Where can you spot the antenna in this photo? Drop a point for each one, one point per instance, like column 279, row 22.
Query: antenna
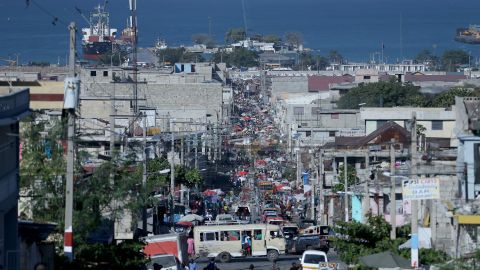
column 133, row 22
column 244, row 18
column 401, row 36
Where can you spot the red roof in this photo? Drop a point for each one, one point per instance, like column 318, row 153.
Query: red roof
column 434, row 78
column 322, row 83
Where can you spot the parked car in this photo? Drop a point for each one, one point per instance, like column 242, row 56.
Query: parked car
column 301, row 243
column 167, row 261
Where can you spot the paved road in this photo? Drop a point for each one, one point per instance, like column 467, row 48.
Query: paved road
column 283, row 263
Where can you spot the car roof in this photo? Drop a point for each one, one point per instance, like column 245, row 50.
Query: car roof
column 315, row 252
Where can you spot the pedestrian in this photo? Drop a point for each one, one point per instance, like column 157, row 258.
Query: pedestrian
column 191, row 247
column 40, row 266
column 157, row 266
column 211, row 265
column 294, row 266
column 192, row 265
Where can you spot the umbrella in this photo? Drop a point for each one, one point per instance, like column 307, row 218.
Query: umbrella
column 385, row 259
column 191, row 217
column 185, row 223
column 209, row 192
column 242, row 173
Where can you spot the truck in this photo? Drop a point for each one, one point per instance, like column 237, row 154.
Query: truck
column 314, row 259
column 172, row 244
column 303, row 242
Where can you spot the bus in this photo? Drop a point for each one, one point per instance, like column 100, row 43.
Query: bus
column 265, row 186
column 225, row 241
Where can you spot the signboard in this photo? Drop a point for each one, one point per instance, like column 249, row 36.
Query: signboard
column 421, row 189
column 71, row 93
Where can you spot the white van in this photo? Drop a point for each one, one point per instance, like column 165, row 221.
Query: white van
column 225, row 241
column 314, row 259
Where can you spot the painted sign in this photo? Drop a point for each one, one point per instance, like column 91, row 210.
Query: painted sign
column 421, row 189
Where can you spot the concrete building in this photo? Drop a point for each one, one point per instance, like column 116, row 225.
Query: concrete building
column 13, row 107
column 185, row 98
column 439, row 123
column 468, row 132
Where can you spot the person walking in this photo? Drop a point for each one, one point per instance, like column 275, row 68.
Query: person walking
column 191, row 247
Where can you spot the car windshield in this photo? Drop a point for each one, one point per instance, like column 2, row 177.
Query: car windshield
column 165, row 261
column 313, row 258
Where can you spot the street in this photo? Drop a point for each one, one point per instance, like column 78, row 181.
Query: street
column 283, row 263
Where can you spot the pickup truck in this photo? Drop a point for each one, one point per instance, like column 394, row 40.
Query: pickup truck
column 314, row 259
column 301, row 243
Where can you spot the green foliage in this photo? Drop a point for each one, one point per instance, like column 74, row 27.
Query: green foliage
column 124, row 256
column 447, row 98
column 200, row 38
column 294, row 38
column 235, row 34
column 156, row 180
column 357, row 239
column 193, row 177
column 314, row 62
column 383, row 94
column 42, row 170
column 177, row 55
column 351, row 178
column 115, row 58
column 272, row 39
column 452, row 59
column 335, row 57
column 426, row 56
column 240, row 57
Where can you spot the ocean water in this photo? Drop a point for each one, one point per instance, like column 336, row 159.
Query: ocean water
column 355, row 28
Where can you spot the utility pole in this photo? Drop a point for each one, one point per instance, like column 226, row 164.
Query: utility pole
column 345, row 184
column 172, row 172
column 298, row 168
column 414, row 203
column 393, row 201
column 366, row 205
column 70, row 110
column 144, row 174
column 320, row 187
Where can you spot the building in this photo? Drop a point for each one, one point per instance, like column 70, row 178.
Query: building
column 13, row 107
column 439, row 123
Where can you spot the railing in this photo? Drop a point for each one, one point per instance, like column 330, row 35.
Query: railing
column 226, row 222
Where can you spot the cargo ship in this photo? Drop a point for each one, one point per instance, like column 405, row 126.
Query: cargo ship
column 470, row 35
column 98, row 39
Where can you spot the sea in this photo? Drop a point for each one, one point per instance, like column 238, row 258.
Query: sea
column 36, row 30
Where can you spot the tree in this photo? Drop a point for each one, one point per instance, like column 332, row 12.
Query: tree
column 276, row 40
column 200, row 38
column 335, row 57
column 193, row 177
column 240, row 57
column 447, row 98
column 382, row 94
column 235, row 35
column 170, row 55
column 351, row 178
column 357, row 239
column 452, row 59
column 312, row 62
column 426, row 56
column 115, row 58
column 294, row 38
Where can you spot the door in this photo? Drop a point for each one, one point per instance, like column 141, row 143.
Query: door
column 258, row 243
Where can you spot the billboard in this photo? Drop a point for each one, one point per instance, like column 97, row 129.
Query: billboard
column 421, row 189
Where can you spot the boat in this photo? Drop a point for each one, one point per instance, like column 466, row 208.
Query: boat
column 98, row 39
column 161, row 44
column 470, row 35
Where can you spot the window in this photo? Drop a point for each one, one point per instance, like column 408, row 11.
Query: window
column 298, row 110
column 331, row 134
column 437, row 125
column 303, row 124
column 230, row 236
column 381, row 123
column 334, row 116
column 208, row 236
column 93, row 73
column 257, row 234
column 366, row 77
column 105, row 73
column 308, row 133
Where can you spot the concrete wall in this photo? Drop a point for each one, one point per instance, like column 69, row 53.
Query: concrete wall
column 288, row 85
